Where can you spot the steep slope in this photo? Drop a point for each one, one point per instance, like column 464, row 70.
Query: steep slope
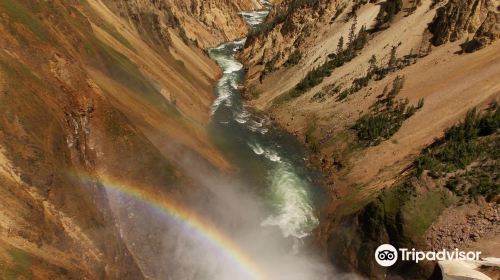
column 368, row 104
column 92, row 90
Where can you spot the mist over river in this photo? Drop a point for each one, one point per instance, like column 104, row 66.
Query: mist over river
column 253, row 224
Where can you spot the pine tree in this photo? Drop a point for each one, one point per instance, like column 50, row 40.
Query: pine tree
column 340, row 45
column 397, row 85
column 373, row 65
column 393, row 60
column 361, row 39
column 386, row 89
column 420, row 103
column 352, row 33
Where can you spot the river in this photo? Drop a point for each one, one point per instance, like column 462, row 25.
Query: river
column 270, row 159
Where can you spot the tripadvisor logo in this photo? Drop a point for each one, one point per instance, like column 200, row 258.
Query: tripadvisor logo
column 386, row 255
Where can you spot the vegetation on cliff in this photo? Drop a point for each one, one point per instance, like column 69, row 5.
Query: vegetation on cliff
column 293, row 59
column 281, row 13
column 355, row 43
column 475, row 140
column 459, row 169
column 386, row 117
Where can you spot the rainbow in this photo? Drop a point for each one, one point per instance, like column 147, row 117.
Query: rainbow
column 183, row 215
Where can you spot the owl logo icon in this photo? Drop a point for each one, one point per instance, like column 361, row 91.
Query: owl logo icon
column 386, row 255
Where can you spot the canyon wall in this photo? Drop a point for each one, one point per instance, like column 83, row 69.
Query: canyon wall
column 92, row 90
column 207, row 23
column 368, row 86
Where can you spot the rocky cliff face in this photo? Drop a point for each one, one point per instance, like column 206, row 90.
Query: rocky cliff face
column 457, row 19
column 94, row 89
column 488, row 32
column 206, row 23
column 290, row 28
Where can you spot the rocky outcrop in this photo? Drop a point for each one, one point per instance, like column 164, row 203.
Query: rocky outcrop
column 387, row 219
column 289, row 28
column 207, row 23
column 486, row 34
column 477, row 270
column 459, row 18
column 459, row 227
column 214, row 21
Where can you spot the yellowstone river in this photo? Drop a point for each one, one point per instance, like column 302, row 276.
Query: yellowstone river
column 269, row 159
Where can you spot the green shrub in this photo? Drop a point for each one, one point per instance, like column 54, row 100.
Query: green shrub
column 461, row 144
column 294, row 58
column 485, row 187
column 386, row 118
column 327, row 91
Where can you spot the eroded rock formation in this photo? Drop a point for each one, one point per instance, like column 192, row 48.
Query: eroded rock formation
column 457, row 19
